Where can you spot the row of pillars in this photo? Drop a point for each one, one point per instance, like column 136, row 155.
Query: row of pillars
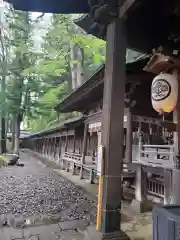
column 49, row 147
column 55, row 146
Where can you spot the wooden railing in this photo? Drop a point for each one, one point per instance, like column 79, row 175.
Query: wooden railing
column 157, row 155
column 72, row 162
column 156, row 187
column 72, row 156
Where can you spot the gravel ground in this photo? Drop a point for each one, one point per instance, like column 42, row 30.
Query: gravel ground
column 37, row 191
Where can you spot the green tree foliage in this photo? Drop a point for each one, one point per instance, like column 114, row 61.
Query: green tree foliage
column 43, row 64
column 55, row 69
column 56, row 46
column 46, row 115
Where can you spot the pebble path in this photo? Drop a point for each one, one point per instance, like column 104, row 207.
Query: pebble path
column 36, row 190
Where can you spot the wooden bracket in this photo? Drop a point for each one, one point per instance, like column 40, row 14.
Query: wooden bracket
column 161, row 63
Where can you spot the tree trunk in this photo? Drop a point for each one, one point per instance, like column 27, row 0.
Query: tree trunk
column 77, row 62
column 3, row 90
column 3, row 136
column 80, row 69
column 73, row 66
column 17, row 134
column 3, row 120
column 13, row 133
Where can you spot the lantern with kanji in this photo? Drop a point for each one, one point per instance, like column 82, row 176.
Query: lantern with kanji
column 164, row 92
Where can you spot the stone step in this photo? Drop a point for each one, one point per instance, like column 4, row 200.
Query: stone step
column 91, row 234
column 71, row 235
column 79, row 225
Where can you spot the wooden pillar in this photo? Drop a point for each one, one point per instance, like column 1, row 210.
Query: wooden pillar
column 59, row 147
column 139, row 204
column 48, row 141
column 49, row 147
column 176, row 172
column 128, row 154
column 84, row 149
column 141, row 185
column 35, row 145
column 39, row 145
column 54, row 148
column 150, row 134
column 167, row 186
column 44, row 146
column 74, row 148
column 74, row 142
column 66, row 143
column 113, row 130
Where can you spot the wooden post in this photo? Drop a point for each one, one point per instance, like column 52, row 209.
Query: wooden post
column 139, row 204
column 141, row 185
column 84, row 149
column 50, row 147
column 113, row 130
column 44, row 146
column 40, row 145
column 66, row 143
column 48, row 141
column 74, row 146
column 54, row 149
column 35, row 145
column 60, row 144
column 74, row 143
column 128, row 154
column 140, row 139
column 150, row 134
column 176, row 172
column 167, row 186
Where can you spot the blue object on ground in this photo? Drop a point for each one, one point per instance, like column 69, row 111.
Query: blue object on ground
column 166, row 222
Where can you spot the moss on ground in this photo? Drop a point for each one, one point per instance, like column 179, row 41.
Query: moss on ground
column 3, row 160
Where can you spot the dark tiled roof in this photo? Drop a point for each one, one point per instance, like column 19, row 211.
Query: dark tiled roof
column 58, row 126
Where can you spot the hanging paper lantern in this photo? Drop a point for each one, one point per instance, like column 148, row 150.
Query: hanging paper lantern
column 164, row 92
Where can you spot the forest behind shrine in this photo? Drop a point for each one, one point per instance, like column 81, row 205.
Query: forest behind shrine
column 43, row 58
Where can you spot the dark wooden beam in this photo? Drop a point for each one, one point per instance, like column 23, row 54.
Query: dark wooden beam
column 176, row 173
column 113, row 130
column 125, row 7
column 128, row 154
column 84, row 148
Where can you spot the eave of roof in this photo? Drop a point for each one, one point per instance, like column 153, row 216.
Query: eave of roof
column 77, row 92
column 95, row 82
column 60, row 126
column 149, row 24
column 51, row 6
